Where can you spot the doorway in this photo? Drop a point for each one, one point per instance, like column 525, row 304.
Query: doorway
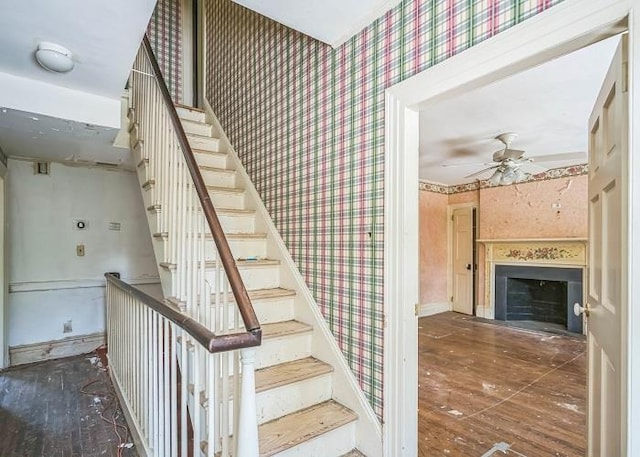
column 528, row 45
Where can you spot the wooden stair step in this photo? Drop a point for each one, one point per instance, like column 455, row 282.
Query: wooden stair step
column 276, row 293
column 290, row 372
column 241, row 263
column 217, row 170
column 204, row 151
column 225, row 190
column 282, row 329
column 220, row 211
column 229, row 236
column 291, row 430
column 190, row 108
column 354, row 453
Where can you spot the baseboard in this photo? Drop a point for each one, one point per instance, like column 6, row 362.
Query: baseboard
column 47, row 350
column 429, row 309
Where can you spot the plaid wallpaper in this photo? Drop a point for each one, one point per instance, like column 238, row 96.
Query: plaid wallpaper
column 308, row 123
column 165, row 30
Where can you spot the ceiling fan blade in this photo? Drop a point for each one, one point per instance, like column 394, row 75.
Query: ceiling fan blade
column 561, row 156
column 481, row 172
column 467, row 164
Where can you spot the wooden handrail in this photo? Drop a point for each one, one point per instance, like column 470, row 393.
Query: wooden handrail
column 237, row 285
column 200, row 333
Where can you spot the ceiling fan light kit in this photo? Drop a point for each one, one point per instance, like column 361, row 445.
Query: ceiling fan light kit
column 509, row 163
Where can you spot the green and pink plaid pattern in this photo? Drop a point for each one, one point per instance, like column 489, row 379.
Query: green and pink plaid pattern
column 165, row 31
column 308, row 123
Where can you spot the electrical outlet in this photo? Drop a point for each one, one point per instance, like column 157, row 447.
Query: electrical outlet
column 80, row 250
column 67, row 327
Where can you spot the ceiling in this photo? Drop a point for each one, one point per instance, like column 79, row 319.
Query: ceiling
column 103, row 37
column 331, row 21
column 48, row 138
column 548, row 106
column 73, row 116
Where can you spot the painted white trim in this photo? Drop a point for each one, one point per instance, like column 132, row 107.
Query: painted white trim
column 429, row 309
column 62, row 284
column 55, row 349
column 364, row 22
column 401, row 279
column 561, row 29
column 4, row 275
column 134, row 427
column 346, row 389
column 187, row 52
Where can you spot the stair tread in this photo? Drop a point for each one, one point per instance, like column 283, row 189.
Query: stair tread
column 284, row 328
column 354, row 453
column 204, row 151
column 286, row 373
column 225, row 211
column 217, row 169
column 230, row 236
column 229, row 190
column 198, row 136
column 190, row 108
column 293, row 429
column 242, row 263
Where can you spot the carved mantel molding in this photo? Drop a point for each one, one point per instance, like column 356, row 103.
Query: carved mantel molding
column 560, row 252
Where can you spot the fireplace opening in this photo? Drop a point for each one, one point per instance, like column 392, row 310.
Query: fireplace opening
column 537, row 300
column 538, row 294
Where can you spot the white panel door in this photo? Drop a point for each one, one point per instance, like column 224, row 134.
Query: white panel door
column 608, row 150
column 462, row 250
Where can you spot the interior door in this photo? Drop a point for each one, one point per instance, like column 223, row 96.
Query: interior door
column 605, row 308
column 462, row 253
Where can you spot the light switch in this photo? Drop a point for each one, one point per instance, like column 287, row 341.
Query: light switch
column 80, row 250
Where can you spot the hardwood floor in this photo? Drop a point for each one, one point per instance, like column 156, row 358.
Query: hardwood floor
column 44, row 413
column 482, row 383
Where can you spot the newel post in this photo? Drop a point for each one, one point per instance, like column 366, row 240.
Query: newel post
column 247, row 433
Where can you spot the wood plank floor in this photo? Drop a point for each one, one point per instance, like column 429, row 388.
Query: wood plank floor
column 482, row 383
column 44, row 413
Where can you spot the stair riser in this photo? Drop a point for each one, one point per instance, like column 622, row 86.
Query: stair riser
column 196, row 116
column 243, row 223
column 205, row 143
column 241, row 249
column 255, row 278
column 283, row 349
column 227, row 200
column 218, row 179
column 336, row 442
column 287, row 399
column 267, row 311
column 211, row 160
column 197, row 128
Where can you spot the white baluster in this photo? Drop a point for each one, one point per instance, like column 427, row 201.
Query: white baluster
column 247, row 430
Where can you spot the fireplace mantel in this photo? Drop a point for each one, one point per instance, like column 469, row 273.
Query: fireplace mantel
column 570, row 252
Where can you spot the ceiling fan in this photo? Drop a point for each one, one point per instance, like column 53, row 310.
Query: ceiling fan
column 512, row 166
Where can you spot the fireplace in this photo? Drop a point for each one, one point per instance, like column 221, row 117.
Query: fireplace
column 535, row 293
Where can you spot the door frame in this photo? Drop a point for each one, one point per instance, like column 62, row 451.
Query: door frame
column 559, row 30
column 450, row 209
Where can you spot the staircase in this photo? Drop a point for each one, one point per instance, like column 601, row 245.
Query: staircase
column 307, row 402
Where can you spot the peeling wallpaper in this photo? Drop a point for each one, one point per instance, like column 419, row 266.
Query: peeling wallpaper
column 308, row 123
column 165, row 35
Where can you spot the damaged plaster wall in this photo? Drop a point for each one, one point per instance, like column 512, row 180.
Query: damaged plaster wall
column 54, row 293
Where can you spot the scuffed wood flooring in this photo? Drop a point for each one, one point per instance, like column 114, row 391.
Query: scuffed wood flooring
column 44, row 413
column 482, row 383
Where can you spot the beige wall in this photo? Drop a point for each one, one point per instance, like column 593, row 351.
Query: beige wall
column 433, row 247
column 520, row 211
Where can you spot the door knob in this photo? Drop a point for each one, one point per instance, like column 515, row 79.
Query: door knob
column 468, row 266
column 577, row 309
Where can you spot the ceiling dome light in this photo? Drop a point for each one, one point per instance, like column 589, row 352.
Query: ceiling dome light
column 54, row 57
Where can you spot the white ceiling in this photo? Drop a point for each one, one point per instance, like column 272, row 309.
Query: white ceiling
column 330, row 21
column 548, row 106
column 47, row 138
column 103, row 37
column 74, row 116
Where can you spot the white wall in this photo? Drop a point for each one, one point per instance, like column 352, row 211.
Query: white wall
column 48, row 283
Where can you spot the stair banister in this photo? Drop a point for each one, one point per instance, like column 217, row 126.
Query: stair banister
column 237, row 286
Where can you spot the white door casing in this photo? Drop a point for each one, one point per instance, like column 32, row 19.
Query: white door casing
column 462, row 260
column 566, row 27
column 606, row 271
